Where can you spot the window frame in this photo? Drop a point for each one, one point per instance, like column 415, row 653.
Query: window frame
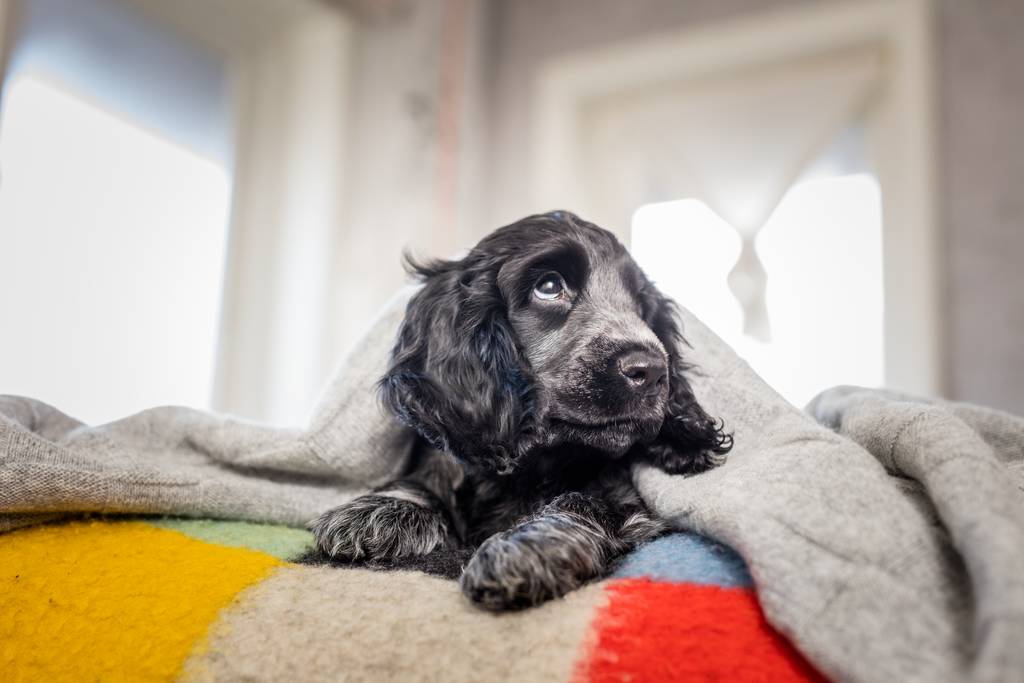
column 901, row 129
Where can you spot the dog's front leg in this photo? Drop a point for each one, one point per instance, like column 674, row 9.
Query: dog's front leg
column 412, row 516
column 569, row 542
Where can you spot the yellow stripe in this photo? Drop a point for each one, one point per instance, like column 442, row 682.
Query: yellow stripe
column 112, row 601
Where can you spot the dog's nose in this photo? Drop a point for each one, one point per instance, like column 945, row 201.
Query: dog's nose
column 645, row 371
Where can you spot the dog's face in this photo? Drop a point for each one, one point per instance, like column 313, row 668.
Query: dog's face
column 576, row 303
column 546, row 334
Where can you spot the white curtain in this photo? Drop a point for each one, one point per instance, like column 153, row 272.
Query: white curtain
column 356, row 142
column 736, row 141
column 291, row 109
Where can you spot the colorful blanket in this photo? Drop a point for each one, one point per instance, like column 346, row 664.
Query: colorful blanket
column 155, row 599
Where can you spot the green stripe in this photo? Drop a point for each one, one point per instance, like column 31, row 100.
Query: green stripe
column 281, row 542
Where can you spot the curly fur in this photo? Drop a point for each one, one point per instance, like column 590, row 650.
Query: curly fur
column 531, row 408
column 395, row 523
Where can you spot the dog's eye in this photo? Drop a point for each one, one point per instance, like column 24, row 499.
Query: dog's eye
column 550, row 287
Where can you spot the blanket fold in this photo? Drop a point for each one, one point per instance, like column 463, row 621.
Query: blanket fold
column 180, row 461
column 885, row 535
column 959, row 455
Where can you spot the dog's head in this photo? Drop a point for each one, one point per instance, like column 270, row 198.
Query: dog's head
column 547, row 333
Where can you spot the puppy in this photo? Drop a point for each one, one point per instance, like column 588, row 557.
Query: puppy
column 536, row 371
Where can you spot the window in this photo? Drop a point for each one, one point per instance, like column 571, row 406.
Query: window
column 822, row 251
column 112, row 243
column 706, row 112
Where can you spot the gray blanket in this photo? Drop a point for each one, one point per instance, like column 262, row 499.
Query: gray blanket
column 885, row 534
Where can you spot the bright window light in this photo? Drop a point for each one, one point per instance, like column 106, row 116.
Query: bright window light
column 112, row 247
column 822, row 250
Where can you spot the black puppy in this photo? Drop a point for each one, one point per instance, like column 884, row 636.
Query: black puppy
column 536, row 370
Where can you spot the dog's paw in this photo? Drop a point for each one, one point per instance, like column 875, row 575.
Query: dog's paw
column 532, row 563
column 375, row 527
column 667, row 458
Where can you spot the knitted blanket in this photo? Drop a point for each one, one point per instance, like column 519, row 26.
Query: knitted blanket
column 886, row 543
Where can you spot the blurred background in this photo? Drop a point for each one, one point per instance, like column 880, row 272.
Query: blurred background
column 204, row 202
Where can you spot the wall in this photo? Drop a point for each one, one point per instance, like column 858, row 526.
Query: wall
column 981, row 153
column 528, row 33
column 416, row 124
column 6, row 33
column 982, row 146
column 381, row 138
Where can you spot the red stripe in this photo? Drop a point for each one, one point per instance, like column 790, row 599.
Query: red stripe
column 653, row 631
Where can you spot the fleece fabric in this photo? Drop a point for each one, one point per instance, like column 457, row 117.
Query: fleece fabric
column 874, row 577
column 686, row 558
column 157, row 599
column 721, row 632
column 90, row 601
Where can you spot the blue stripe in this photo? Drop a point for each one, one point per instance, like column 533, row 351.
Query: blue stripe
column 686, row 558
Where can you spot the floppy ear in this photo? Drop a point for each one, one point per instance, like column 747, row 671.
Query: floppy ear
column 456, row 374
column 690, row 440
